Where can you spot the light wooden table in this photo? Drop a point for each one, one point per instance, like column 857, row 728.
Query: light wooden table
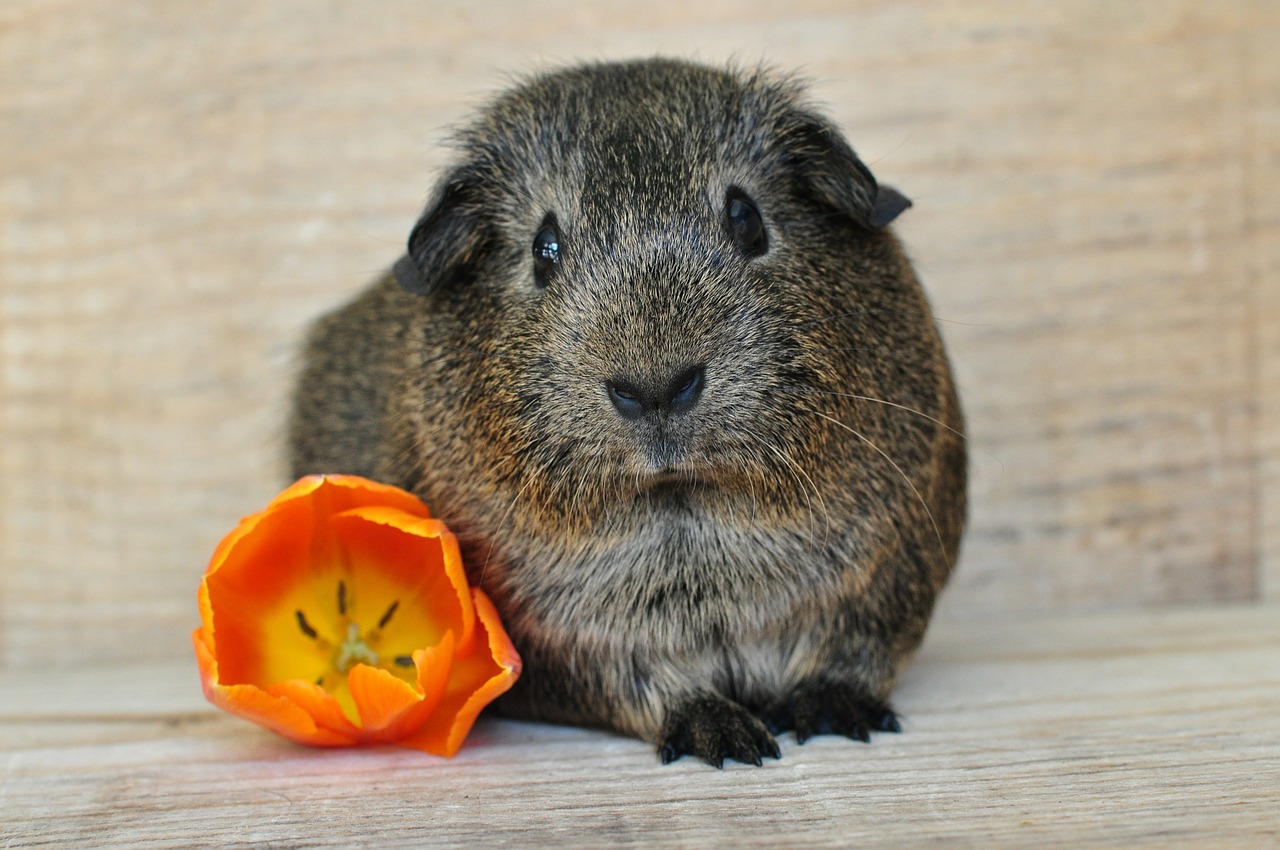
column 184, row 186
column 1159, row 729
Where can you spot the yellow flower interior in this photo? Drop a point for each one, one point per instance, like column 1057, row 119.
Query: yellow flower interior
column 345, row 614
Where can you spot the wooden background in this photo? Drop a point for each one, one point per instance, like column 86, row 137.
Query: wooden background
column 184, row 186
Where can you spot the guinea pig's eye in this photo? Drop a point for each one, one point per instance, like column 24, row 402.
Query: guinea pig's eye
column 546, row 251
column 745, row 225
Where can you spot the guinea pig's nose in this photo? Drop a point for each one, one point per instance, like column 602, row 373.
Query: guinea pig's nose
column 633, row 399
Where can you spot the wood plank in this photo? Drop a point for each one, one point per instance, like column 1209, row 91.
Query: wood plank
column 1104, row 345
column 182, row 190
column 1264, row 225
column 1112, row 730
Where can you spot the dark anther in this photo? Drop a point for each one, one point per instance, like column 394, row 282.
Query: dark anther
column 305, row 626
column 342, row 598
column 404, row 660
column 386, row 618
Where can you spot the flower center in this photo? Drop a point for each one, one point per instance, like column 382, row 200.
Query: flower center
column 353, row 650
column 354, row 646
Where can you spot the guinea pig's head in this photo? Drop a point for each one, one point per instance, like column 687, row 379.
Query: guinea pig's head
column 648, row 278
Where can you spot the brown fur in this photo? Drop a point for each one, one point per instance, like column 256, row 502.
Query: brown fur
column 764, row 559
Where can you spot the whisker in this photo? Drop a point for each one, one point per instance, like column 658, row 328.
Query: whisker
column 484, row 569
column 833, row 317
column 826, row 512
column 942, row 547
column 466, row 349
column 887, row 403
column 880, row 309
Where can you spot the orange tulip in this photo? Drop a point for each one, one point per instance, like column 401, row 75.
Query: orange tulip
column 341, row 615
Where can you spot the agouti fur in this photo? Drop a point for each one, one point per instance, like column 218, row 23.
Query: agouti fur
column 655, row 356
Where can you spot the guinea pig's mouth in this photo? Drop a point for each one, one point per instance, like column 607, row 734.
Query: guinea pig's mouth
column 674, row 481
column 671, row 478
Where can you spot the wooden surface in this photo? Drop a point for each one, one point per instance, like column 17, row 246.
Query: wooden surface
column 184, row 186
column 1115, row 730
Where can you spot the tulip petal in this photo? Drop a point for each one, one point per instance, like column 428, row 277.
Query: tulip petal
column 341, row 493
column 389, row 707
column 434, row 665
column 321, row 705
column 415, row 553
column 256, row 575
column 379, row 697
column 478, row 678
column 276, row 713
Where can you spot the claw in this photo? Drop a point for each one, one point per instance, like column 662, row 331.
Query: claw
column 821, row 708
column 715, row 729
column 887, row 722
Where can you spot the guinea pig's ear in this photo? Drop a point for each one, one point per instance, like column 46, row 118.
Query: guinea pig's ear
column 836, row 175
column 445, row 241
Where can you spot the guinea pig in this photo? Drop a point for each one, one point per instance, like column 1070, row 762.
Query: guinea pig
column 656, row 358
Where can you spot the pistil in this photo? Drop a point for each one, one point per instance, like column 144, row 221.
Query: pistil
column 354, row 650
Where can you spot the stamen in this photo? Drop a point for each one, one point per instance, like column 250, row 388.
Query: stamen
column 342, row 598
column 386, row 618
column 404, row 660
column 306, row 627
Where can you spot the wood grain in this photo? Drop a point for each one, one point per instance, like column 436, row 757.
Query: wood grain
column 183, row 187
column 1118, row 730
column 1264, row 267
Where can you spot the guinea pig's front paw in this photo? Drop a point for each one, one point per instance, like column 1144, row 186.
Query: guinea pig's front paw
column 714, row 729
column 826, row 708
